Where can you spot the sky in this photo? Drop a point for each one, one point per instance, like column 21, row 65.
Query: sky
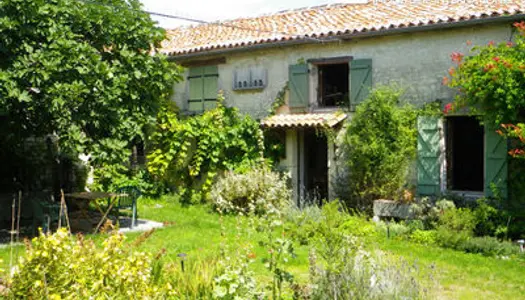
column 213, row 10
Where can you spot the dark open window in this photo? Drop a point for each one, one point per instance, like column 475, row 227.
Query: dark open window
column 465, row 154
column 333, row 85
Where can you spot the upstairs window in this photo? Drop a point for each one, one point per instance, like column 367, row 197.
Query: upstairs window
column 341, row 82
column 204, row 87
column 333, row 85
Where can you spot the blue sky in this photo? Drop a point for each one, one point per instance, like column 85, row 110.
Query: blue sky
column 212, row 10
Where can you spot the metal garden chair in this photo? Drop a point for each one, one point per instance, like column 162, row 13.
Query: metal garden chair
column 45, row 213
column 127, row 199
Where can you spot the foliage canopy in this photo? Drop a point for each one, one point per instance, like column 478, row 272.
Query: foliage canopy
column 83, row 71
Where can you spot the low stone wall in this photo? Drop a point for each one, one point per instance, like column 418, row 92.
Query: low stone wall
column 390, row 208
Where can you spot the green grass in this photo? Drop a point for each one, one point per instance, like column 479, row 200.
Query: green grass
column 196, row 231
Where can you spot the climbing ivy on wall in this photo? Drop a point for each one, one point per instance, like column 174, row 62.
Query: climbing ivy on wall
column 188, row 153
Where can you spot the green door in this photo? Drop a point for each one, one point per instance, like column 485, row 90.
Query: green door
column 495, row 163
column 428, row 156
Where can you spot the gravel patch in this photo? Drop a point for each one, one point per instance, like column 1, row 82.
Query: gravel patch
column 140, row 225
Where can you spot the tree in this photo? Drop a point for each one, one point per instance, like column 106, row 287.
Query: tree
column 379, row 145
column 84, row 70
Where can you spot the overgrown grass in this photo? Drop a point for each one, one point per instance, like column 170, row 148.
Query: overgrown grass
column 196, row 231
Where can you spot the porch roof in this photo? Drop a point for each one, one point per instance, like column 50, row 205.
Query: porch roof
column 304, row 120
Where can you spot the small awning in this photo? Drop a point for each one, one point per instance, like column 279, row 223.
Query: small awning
column 304, row 120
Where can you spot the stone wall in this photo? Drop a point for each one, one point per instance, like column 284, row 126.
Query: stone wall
column 414, row 61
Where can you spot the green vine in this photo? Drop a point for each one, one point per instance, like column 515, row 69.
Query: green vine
column 280, row 99
column 189, row 153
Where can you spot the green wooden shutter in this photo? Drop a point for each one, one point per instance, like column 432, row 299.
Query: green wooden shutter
column 196, row 81
column 211, row 87
column 495, row 162
column 299, row 90
column 360, row 81
column 428, row 156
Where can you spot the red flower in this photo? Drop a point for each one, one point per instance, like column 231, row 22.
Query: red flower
column 516, row 152
column 520, row 25
column 491, row 43
column 448, row 108
column 456, row 57
column 451, row 71
column 469, row 42
column 510, row 44
column 496, row 59
column 445, row 80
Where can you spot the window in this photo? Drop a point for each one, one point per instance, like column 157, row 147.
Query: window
column 341, row 82
column 333, row 85
column 203, row 88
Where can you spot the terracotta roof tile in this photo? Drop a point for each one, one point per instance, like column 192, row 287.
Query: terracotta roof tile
column 304, row 120
column 332, row 20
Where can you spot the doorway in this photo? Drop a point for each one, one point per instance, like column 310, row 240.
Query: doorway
column 465, row 154
column 315, row 165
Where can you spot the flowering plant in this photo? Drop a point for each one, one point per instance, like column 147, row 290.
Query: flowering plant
column 491, row 83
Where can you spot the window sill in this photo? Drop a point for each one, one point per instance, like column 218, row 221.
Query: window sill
column 327, row 109
column 469, row 195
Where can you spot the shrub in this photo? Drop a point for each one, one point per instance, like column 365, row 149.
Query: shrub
column 359, row 226
column 365, row 275
column 59, row 266
column 489, row 246
column 451, row 239
column 458, row 220
column 235, row 280
column 379, row 146
column 428, row 212
column 393, row 229
column 251, row 192
column 490, row 221
column 301, row 222
column 424, row 237
column 195, row 282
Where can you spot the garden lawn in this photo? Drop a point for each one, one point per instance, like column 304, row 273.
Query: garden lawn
column 196, row 231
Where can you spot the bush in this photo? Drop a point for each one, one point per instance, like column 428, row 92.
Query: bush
column 393, row 229
column 489, row 246
column 301, row 223
column 424, row 237
column 359, row 226
column 379, row 147
column 428, row 212
column 490, row 220
column 458, row 220
column 451, row 239
column 251, row 192
column 195, row 282
column 59, row 266
column 365, row 275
